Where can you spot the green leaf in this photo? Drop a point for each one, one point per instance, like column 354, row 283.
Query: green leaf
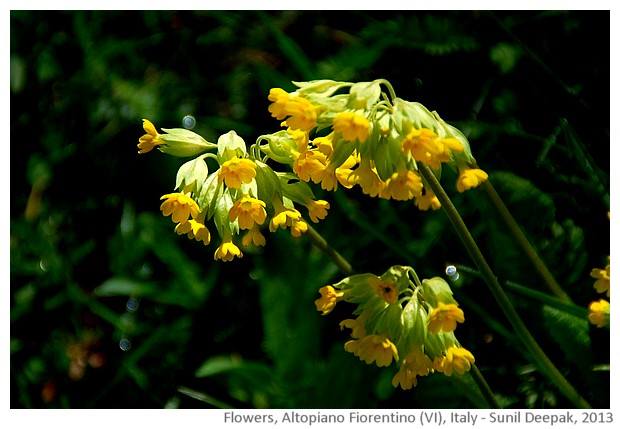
column 571, row 333
column 226, row 364
column 120, row 286
column 116, row 286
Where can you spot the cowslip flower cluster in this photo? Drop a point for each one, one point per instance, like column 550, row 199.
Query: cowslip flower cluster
column 402, row 320
column 242, row 196
column 599, row 310
column 336, row 134
column 366, row 138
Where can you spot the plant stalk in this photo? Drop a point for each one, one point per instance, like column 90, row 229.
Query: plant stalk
column 483, row 386
column 539, row 356
column 527, row 247
column 322, row 245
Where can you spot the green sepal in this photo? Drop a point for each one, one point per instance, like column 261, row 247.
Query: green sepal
column 192, row 175
column 279, row 146
column 454, row 132
column 389, row 155
column 333, row 105
column 386, row 321
column 407, row 115
column 267, row 183
column 364, row 95
column 322, row 87
column 210, row 192
column 437, row 290
column 436, row 345
column 399, row 275
column 373, row 143
column 295, row 189
column 224, row 226
column 229, row 146
column 357, row 288
column 342, row 151
column 413, row 321
column 183, row 143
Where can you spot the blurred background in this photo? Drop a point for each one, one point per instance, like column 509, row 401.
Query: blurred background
column 111, row 309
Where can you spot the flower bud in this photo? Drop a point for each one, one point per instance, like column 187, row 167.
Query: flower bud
column 183, row 143
column 230, row 145
column 279, row 146
column 364, row 95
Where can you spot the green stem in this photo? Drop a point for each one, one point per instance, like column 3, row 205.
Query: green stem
column 541, row 297
column 523, row 333
column 483, row 386
column 336, row 257
column 527, row 247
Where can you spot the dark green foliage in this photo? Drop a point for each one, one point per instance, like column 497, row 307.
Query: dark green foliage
column 93, row 262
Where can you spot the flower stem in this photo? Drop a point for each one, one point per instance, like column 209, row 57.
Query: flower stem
column 527, row 247
column 539, row 356
column 336, row 257
column 483, row 386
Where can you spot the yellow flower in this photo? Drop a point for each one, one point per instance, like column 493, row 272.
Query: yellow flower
column 403, row 185
column 309, row 163
column 352, row 126
column 324, row 144
column 227, row 251
column 427, row 201
column 470, row 178
column 253, row 237
column 444, row 318
column 406, row 378
column 599, row 313
column 317, row 210
column 298, row 227
column 438, row 363
column 283, row 218
column 236, row 171
column 248, row 211
column 602, row 279
column 357, row 326
column 181, row 206
column 150, row 139
column 332, row 174
column 343, row 173
column 300, row 112
column 279, row 98
column 373, row 348
column 286, row 217
column 329, row 298
column 367, row 178
column 386, row 290
column 194, row 230
column 414, row 364
column 422, row 144
column 447, row 145
column 327, row 178
column 457, row 360
column 302, row 138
